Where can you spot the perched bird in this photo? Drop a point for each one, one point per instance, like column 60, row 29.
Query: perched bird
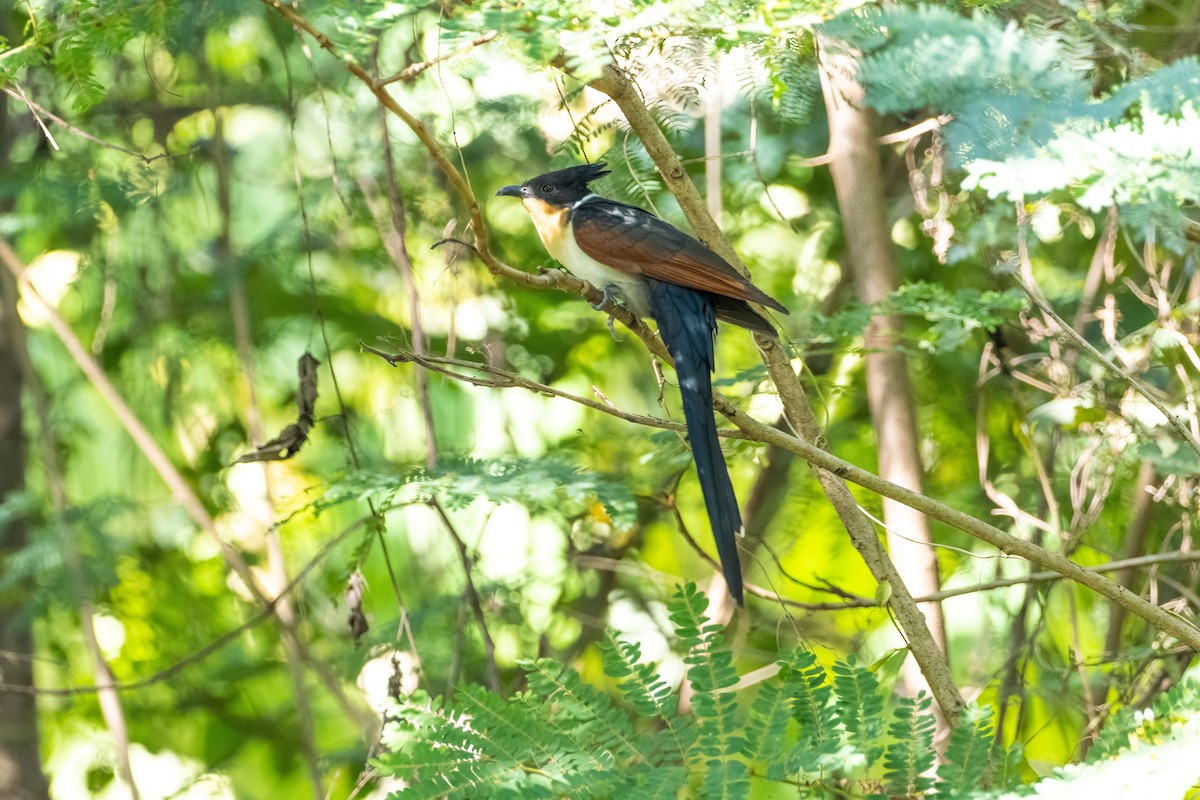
column 658, row 271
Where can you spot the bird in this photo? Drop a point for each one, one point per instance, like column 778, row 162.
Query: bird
column 657, row 271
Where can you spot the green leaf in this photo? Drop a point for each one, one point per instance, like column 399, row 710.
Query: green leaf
column 543, row 485
column 968, row 754
column 859, row 707
column 910, row 755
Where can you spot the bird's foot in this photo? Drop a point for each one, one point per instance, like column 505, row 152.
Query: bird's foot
column 611, row 293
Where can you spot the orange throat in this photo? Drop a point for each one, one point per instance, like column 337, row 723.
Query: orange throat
column 551, row 224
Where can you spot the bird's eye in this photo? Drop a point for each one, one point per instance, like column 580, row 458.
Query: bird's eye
column 547, row 188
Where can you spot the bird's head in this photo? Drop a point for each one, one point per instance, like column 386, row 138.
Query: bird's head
column 561, row 188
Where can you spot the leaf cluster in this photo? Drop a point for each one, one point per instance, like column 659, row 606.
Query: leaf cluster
column 953, row 316
column 543, row 485
column 1026, row 119
column 828, row 732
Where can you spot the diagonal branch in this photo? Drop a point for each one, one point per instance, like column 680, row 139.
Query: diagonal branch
column 111, row 708
column 858, row 183
column 473, row 598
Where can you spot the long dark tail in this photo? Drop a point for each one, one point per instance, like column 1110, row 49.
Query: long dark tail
column 687, row 321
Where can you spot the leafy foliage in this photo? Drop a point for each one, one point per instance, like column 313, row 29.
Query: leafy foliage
column 1023, row 118
column 265, row 177
column 858, row 707
column 1129, row 725
column 954, row 316
column 711, row 674
column 543, row 485
column 563, row 737
column 910, row 755
column 965, row 766
column 1007, row 88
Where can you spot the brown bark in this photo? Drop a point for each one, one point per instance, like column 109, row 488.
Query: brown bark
column 855, row 167
column 21, row 777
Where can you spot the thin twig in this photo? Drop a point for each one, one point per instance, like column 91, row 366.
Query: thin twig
column 473, row 599
column 1025, row 278
column 413, row 70
column 922, row 127
column 392, row 228
column 33, row 110
column 82, row 134
column 931, row 124
column 504, row 379
column 853, row 602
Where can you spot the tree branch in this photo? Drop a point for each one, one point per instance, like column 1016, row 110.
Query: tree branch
column 413, row 70
column 504, row 379
column 38, row 111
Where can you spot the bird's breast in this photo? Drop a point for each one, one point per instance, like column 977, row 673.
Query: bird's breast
column 554, row 228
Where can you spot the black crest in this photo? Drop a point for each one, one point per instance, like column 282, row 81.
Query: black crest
column 571, row 177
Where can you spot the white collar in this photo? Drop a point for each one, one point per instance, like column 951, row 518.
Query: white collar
column 583, row 200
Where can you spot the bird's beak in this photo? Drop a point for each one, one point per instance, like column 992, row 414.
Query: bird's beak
column 512, row 191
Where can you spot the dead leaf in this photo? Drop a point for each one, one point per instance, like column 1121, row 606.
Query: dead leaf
column 293, row 437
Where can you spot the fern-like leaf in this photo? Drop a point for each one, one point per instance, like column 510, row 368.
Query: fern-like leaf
column 818, row 731
column 766, row 733
column 711, row 674
column 650, row 695
column 968, row 754
column 859, row 707
column 910, row 755
column 589, row 713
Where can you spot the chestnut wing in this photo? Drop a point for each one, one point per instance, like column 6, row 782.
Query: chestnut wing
column 629, row 239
